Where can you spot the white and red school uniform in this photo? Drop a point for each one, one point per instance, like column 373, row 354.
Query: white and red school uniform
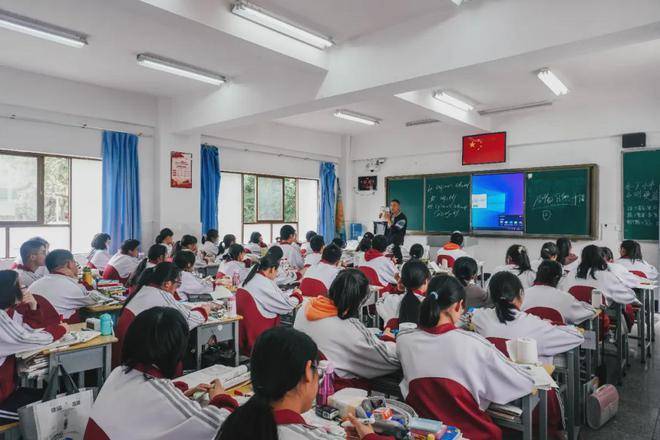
column 286, row 274
column 254, row 248
column 151, row 296
column 270, row 299
column 26, row 276
column 452, row 250
column 324, row 272
column 292, row 426
column 312, row 258
column 293, row 255
column 98, row 259
column 384, row 266
column 358, row 259
column 614, row 287
column 65, row 294
column 550, row 339
column 16, row 337
column 453, row 375
column 210, row 249
column 354, row 350
column 389, row 305
column 120, row 267
column 229, row 268
column 191, row 285
column 526, row 278
column 572, row 310
column 306, row 248
column 639, row 266
column 131, row 405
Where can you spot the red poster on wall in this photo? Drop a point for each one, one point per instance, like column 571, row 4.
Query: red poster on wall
column 180, row 170
column 484, row 148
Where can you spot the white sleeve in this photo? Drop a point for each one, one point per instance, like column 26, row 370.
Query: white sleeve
column 278, row 301
column 615, row 289
column 504, row 381
column 389, row 272
column 193, row 317
column 15, row 338
column 388, row 305
column 556, row 339
column 650, row 271
column 297, row 258
column 576, row 311
column 370, row 357
column 83, row 298
column 191, row 285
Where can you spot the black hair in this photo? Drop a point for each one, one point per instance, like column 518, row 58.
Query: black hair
column 416, row 251
column 227, row 241
column 365, row 244
column 549, row 250
column 563, row 249
column 255, row 237
column 10, row 290
column 413, row 276
column 58, row 258
column 163, row 234
column 160, row 274
column 41, row 240
column 606, row 253
column 317, row 243
column 28, row 248
column 338, row 242
column 549, row 273
column 504, row 288
column 465, row 268
column 276, row 252
column 396, row 201
column 331, row 254
column 379, row 243
column 233, row 252
column 286, row 232
column 157, row 336
column 265, row 263
column 591, row 261
column 443, row 292
column 348, row 291
column 310, row 235
column 369, row 235
column 155, row 252
column 129, row 245
column 211, row 235
column 518, row 256
column 270, row 381
column 99, row 241
column 456, row 238
column 632, row 249
column 184, row 259
column 186, row 240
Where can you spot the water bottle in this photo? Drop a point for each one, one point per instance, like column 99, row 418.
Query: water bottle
column 231, row 306
column 106, row 324
column 236, row 279
column 326, row 388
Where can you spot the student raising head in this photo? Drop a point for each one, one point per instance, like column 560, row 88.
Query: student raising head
column 306, row 247
column 388, row 274
column 545, row 293
column 548, row 252
column 227, row 241
column 123, row 263
column 285, row 273
column 290, row 248
column 394, row 308
column 632, row 259
column 465, row 270
column 33, row 266
column 256, row 243
column 210, row 248
column 316, row 245
column 452, row 250
column 166, row 238
column 232, row 262
column 459, row 365
column 327, row 268
column 99, row 255
column 157, row 254
column 565, row 256
column 189, row 242
column 517, row 262
column 333, row 323
column 190, row 284
column 140, row 400
column 363, row 246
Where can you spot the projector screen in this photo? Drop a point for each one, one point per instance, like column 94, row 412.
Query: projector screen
column 498, row 202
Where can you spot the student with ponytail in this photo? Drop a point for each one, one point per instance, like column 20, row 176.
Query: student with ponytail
column 256, row 243
column 190, row 284
column 189, row 242
column 395, row 308
column 157, row 254
column 316, row 246
column 416, row 251
column 565, row 254
column 210, row 248
column 306, row 247
column 166, row 238
column 123, row 263
column 227, row 241
column 517, row 262
column 549, row 251
column 232, row 262
column 632, row 259
column 465, row 270
column 461, row 366
column 285, row 273
column 363, row 247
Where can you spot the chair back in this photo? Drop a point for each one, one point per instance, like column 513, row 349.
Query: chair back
column 371, row 275
column 450, row 260
column 547, row 313
column 253, row 323
column 500, row 343
column 49, row 315
column 581, row 293
column 313, row 287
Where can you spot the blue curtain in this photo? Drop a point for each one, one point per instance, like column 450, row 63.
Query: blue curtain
column 210, row 188
column 121, row 187
column 327, row 180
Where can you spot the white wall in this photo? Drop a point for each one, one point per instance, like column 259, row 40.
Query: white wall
column 559, row 136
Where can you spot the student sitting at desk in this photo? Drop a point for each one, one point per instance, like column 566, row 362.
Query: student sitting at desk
column 544, row 293
column 285, row 273
column 232, row 262
column 283, row 390
column 123, row 263
column 316, row 245
column 465, row 270
column 19, row 260
column 517, row 263
column 549, row 251
column 33, row 257
column 453, row 249
column 628, row 278
column 190, row 284
column 189, row 242
column 269, row 298
column 157, row 254
column 227, row 241
column 416, row 252
column 631, row 259
column 565, row 254
column 61, row 289
column 140, row 399
column 99, row 255
column 290, row 248
column 166, row 238
column 256, row 244
column 327, row 268
column 396, row 308
column 375, row 258
column 210, row 248
column 451, row 374
column 16, row 337
column 306, row 247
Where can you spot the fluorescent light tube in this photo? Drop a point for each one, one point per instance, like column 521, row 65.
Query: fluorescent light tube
column 356, row 117
column 448, row 99
column 271, row 21
column 553, row 83
column 40, row 29
column 182, row 69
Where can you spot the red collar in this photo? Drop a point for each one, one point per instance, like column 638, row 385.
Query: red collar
column 372, row 254
column 419, row 292
column 150, row 370
column 439, row 330
column 288, row 417
column 536, row 283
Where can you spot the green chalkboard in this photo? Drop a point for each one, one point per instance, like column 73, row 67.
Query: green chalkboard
column 641, row 177
column 410, row 192
column 558, row 202
column 447, row 203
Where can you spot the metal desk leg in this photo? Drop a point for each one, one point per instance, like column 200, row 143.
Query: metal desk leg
column 570, row 394
column 198, row 350
column 527, row 422
column 543, row 414
column 641, row 327
column 107, row 367
column 237, row 355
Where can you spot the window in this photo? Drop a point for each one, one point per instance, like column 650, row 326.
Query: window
column 54, row 197
column 251, row 202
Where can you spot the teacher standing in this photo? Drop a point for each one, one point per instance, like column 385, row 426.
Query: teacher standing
column 397, row 225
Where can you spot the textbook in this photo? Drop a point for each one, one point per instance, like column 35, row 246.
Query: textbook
column 229, row 376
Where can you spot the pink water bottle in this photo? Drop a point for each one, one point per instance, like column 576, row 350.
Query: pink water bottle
column 236, row 279
column 326, row 388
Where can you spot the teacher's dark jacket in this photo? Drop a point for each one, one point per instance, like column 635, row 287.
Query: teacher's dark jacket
column 397, row 232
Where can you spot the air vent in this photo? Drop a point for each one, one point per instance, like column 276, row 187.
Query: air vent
column 513, row 108
column 421, row 122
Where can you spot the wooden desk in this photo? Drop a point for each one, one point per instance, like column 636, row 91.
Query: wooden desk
column 228, row 332
column 10, row 431
column 103, row 308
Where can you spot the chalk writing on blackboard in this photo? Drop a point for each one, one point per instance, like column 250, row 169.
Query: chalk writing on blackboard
column 549, row 200
column 441, row 200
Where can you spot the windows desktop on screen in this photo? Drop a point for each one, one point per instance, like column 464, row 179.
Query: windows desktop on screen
column 498, row 202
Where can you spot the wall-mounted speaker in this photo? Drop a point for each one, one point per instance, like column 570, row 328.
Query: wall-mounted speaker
column 633, row 140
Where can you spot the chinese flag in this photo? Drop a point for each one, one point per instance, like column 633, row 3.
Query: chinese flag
column 484, row 148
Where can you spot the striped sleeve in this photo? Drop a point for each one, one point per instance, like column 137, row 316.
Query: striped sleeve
column 15, row 338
